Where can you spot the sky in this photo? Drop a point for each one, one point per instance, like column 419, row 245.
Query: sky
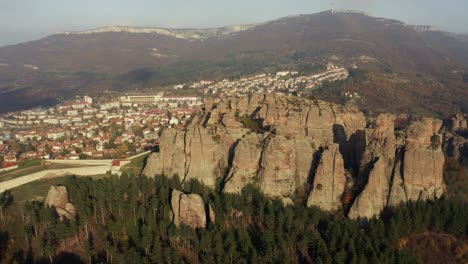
column 25, row 20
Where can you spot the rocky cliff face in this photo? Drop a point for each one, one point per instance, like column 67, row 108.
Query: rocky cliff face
column 288, row 145
column 423, row 160
column 329, row 181
column 397, row 170
column 57, row 197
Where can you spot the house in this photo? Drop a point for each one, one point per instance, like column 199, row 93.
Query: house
column 31, row 154
column 44, row 155
column 54, row 135
column 89, row 111
column 79, row 105
column 10, row 158
column 51, row 121
column 72, row 157
column 64, row 121
column 151, row 135
column 72, row 112
column 174, row 121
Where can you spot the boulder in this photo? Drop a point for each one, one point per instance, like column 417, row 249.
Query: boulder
column 329, row 181
column 188, row 209
column 57, row 197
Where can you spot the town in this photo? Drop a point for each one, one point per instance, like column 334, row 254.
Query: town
column 128, row 124
column 282, row 81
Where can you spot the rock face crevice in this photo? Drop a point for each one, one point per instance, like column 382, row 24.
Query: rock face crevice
column 285, row 145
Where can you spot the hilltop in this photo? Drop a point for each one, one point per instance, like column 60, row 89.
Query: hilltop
column 408, row 68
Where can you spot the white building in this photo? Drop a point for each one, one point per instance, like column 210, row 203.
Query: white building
column 54, row 135
column 174, row 121
column 51, row 121
column 64, row 121
column 141, row 98
column 110, row 105
column 88, row 99
column 72, row 112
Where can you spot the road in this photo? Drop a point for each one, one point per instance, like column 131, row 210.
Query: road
column 80, row 167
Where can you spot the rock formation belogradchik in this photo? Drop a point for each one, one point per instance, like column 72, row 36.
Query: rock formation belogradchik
column 456, row 138
column 189, row 209
column 288, row 145
column 57, row 197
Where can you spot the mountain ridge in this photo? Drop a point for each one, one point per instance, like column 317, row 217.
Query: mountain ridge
column 182, row 33
column 423, row 66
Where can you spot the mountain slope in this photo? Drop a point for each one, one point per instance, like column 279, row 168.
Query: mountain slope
column 432, row 64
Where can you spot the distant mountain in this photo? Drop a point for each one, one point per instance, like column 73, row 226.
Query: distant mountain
column 423, row 63
column 188, row 34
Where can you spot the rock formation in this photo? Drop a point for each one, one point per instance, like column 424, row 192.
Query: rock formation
column 459, row 123
column 189, row 209
column 284, row 166
column 57, row 197
column 284, row 145
column 329, row 181
column 372, row 200
column 455, row 139
column 409, row 169
column 245, row 165
column 376, row 168
column 423, row 160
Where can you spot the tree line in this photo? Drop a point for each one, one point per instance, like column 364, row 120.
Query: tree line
column 129, row 219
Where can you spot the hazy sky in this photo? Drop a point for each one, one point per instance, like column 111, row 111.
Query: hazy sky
column 23, row 20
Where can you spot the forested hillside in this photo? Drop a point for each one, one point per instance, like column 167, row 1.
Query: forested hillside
column 128, row 219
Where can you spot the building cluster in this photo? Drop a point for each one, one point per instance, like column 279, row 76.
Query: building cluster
column 83, row 129
column 130, row 123
column 283, row 81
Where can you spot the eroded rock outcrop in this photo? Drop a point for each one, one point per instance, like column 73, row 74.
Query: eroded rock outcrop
column 372, row 200
column 285, row 165
column 376, row 168
column 189, row 209
column 423, row 160
column 57, row 197
column 245, row 165
column 285, row 144
column 408, row 169
column 459, row 123
column 329, row 181
column 455, row 139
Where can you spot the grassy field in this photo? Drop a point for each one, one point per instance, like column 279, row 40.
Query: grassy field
column 30, row 163
column 136, row 166
column 37, row 190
